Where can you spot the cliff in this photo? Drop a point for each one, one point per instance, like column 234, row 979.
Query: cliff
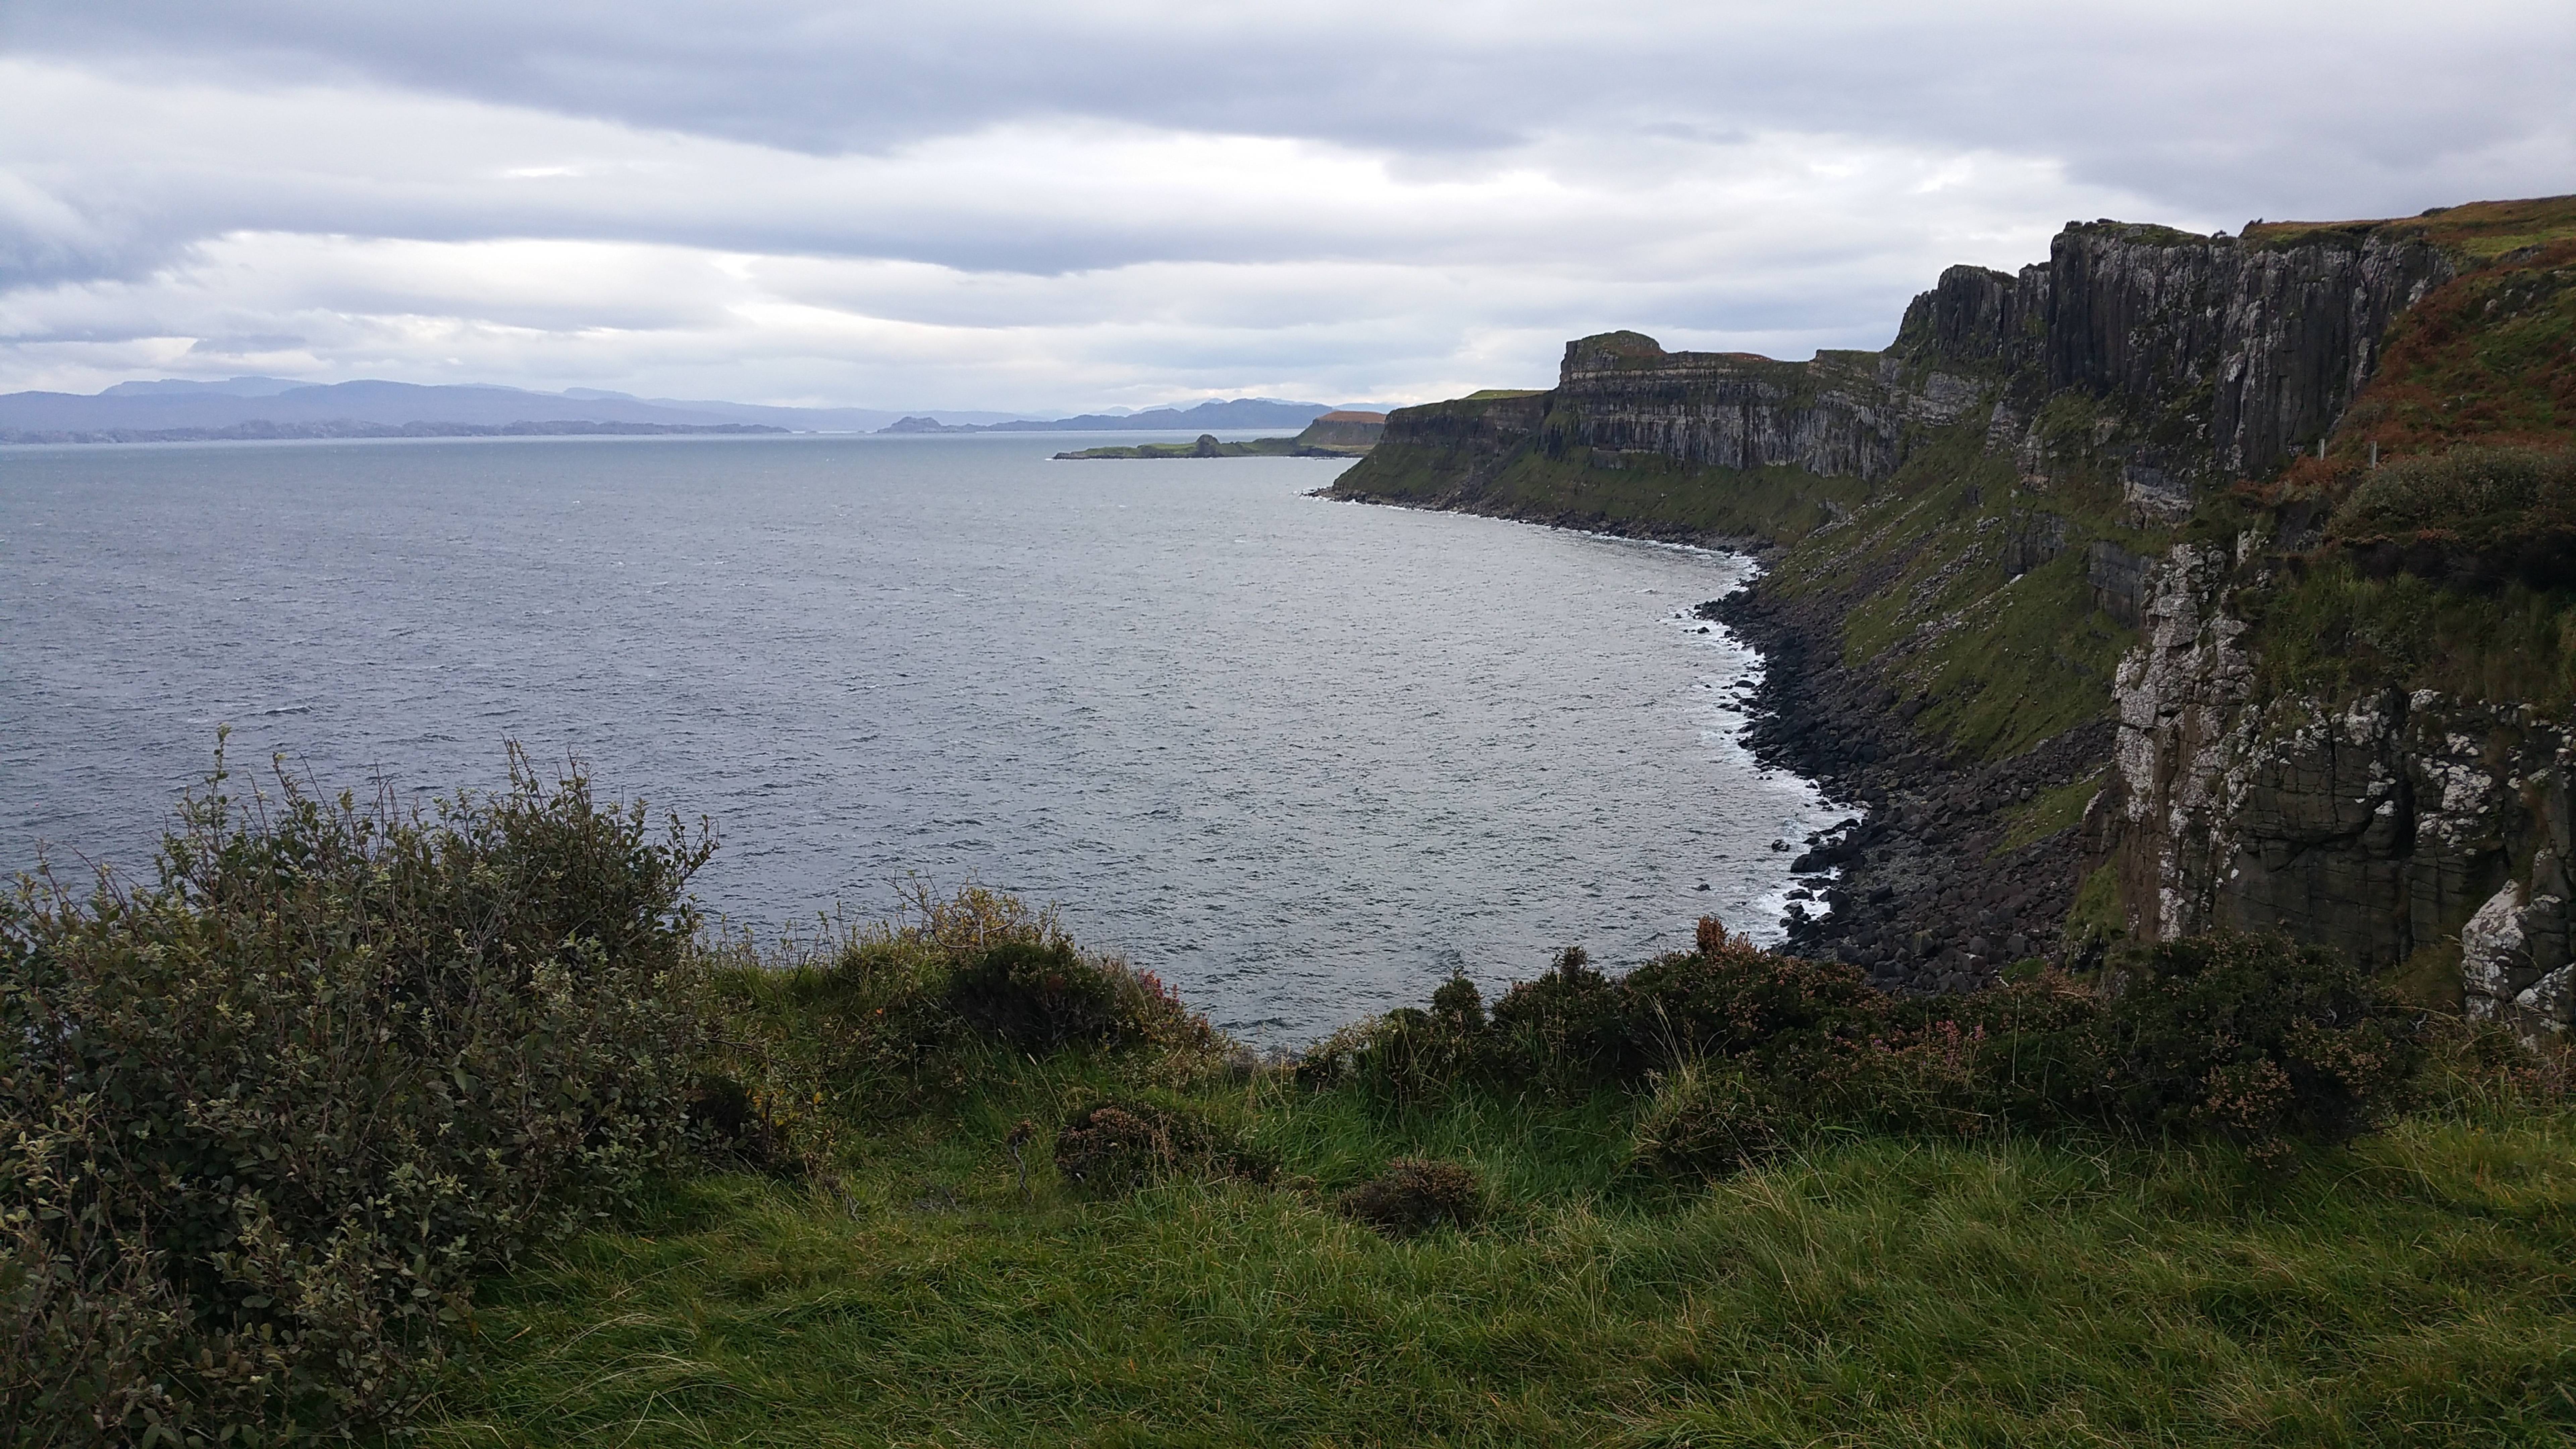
column 2057, row 593
column 1344, row 431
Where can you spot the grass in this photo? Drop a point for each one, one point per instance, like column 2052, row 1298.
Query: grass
column 2049, row 812
column 1918, row 560
column 2333, row 633
column 2414, row 1289
column 2473, row 233
column 1635, row 493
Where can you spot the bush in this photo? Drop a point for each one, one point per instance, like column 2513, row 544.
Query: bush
column 1117, row 1147
column 2252, row 1037
column 1733, row 999
column 268, row 1118
column 1048, row 997
column 1708, row 1122
column 2244, row 1037
column 2472, row 516
column 1414, row 1195
column 1569, row 1028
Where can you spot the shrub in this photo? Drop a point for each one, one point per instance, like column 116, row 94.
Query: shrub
column 2244, row 1037
column 1708, row 1122
column 268, row 1117
column 2254, row 1037
column 1414, row 1195
column 2473, row 516
column 1037, row 997
column 1568, row 1028
column 1734, row 999
column 1047, row 997
column 1116, row 1147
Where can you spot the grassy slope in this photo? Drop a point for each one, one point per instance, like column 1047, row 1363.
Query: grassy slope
column 2003, row 661
column 2416, row 1289
column 2491, row 357
column 1649, row 496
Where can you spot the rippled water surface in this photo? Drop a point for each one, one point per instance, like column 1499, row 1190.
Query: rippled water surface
column 1304, row 758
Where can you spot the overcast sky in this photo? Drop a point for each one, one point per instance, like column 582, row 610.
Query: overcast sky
column 1074, row 204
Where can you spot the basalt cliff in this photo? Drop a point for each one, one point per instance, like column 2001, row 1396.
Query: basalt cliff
column 2099, row 596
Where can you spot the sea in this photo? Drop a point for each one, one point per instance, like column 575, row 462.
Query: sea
column 1304, row 759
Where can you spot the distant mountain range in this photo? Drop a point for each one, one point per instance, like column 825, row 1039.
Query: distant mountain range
column 1242, row 412
column 280, row 407
column 178, row 405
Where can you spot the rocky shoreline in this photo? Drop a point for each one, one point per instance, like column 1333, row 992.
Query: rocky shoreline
column 1926, row 895
column 1922, row 891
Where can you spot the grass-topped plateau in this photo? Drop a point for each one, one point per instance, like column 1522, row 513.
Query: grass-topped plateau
column 458, row 1129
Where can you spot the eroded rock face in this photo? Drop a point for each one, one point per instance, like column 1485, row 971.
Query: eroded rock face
column 2217, row 358
column 2191, row 359
column 2383, row 826
column 2177, row 698
column 1835, row 416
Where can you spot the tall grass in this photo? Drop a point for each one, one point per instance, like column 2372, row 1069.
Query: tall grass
column 455, row 1125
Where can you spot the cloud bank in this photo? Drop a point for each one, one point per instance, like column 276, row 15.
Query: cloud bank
column 1073, row 205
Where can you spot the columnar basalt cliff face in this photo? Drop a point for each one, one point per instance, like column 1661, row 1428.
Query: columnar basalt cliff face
column 1837, row 416
column 2193, row 360
column 2212, row 357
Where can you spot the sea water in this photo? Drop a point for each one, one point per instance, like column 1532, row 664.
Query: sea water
column 1303, row 758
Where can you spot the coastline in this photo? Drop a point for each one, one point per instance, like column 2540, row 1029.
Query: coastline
column 1931, row 891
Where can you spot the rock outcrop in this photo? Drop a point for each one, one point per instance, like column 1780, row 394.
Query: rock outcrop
column 2396, row 827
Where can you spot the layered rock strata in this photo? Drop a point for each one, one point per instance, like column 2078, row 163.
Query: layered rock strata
column 2393, row 827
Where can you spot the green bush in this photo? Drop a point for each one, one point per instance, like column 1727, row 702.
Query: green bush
column 1569, row 1028
column 1037, row 997
column 263, row 1121
column 2475, row 517
column 1730, row 998
column 2251, row 1037
column 2473, row 494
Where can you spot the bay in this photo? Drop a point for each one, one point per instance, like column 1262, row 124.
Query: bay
column 1302, row 758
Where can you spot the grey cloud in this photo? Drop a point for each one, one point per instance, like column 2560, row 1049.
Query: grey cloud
column 1666, row 141
column 2211, row 108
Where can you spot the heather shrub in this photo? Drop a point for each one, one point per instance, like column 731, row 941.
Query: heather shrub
column 1731, row 998
column 2472, row 516
column 1115, row 1147
column 1415, row 1195
column 1569, row 1028
column 2470, row 493
column 2251, row 1037
column 267, row 1117
column 1044, row 997
column 2247, row 1038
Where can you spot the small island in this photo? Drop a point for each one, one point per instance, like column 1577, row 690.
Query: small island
column 1334, row 435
